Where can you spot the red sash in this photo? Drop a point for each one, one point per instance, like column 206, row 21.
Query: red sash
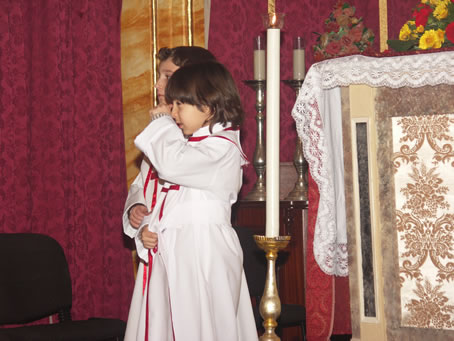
column 146, row 279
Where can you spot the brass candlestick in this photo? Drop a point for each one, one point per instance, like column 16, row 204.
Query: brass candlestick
column 258, row 192
column 299, row 191
column 270, row 304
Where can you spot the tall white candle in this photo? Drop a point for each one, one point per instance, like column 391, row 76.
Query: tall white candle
column 298, row 59
column 259, row 58
column 272, row 131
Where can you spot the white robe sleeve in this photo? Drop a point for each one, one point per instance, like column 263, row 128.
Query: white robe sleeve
column 135, row 196
column 203, row 165
column 142, row 252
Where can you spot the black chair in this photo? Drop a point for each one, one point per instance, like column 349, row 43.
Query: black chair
column 254, row 263
column 35, row 283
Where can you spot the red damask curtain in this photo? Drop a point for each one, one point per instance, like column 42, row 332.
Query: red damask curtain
column 61, row 141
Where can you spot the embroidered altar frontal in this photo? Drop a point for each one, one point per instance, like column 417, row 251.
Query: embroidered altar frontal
column 416, row 133
column 423, row 160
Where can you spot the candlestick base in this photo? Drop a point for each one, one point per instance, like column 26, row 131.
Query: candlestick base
column 258, row 192
column 299, row 191
column 270, row 304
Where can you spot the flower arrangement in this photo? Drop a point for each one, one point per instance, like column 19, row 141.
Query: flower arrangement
column 344, row 34
column 431, row 27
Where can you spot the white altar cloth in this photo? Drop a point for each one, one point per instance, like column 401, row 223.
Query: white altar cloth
column 317, row 113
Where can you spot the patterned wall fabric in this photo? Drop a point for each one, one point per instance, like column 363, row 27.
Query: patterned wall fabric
column 61, row 141
column 424, row 195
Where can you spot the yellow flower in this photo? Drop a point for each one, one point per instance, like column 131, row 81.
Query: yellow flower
column 424, row 1
column 441, row 37
column 420, row 29
column 434, row 2
column 429, row 39
column 404, row 33
column 441, row 11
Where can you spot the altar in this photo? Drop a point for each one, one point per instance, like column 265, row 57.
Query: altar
column 378, row 135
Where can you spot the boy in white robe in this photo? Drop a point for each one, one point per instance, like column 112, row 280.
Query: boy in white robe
column 197, row 289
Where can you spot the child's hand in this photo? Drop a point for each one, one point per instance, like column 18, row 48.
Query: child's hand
column 161, row 108
column 136, row 215
column 149, row 239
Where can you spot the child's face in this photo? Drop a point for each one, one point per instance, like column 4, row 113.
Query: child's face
column 189, row 118
column 166, row 69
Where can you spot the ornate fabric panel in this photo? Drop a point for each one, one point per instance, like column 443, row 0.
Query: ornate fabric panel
column 423, row 164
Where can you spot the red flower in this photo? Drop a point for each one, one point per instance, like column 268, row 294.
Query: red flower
column 349, row 11
column 346, row 41
column 340, row 3
column 351, row 49
column 450, row 31
column 421, row 14
column 337, row 12
column 333, row 26
column 421, row 6
column 356, row 33
column 333, row 47
column 318, row 56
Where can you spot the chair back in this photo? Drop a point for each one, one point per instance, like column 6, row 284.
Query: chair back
column 34, row 278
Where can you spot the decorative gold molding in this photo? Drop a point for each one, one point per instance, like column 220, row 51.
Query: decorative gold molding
column 383, row 23
column 190, row 25
column 154, row 50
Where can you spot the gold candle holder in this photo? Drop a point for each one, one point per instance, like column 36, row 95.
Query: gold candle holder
column 299, row 191
column 270, row 304
column 258, row 192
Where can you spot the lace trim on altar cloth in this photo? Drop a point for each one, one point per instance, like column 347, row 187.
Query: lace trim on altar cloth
column 330, row 238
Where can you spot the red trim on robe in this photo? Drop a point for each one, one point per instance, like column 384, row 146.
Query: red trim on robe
column 150, row 263
column 201, row 138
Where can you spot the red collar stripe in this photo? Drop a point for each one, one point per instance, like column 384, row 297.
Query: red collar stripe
column 200, row 138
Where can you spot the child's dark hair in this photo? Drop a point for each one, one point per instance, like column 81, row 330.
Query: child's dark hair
column 210, row 85
column 182, row 55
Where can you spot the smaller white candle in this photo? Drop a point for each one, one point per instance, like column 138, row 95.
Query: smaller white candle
column 259, row 58
column 298, row 59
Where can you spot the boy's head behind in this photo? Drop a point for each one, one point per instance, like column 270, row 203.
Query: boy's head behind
column 207, row 85
column 171, row 59
column 185, row 55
